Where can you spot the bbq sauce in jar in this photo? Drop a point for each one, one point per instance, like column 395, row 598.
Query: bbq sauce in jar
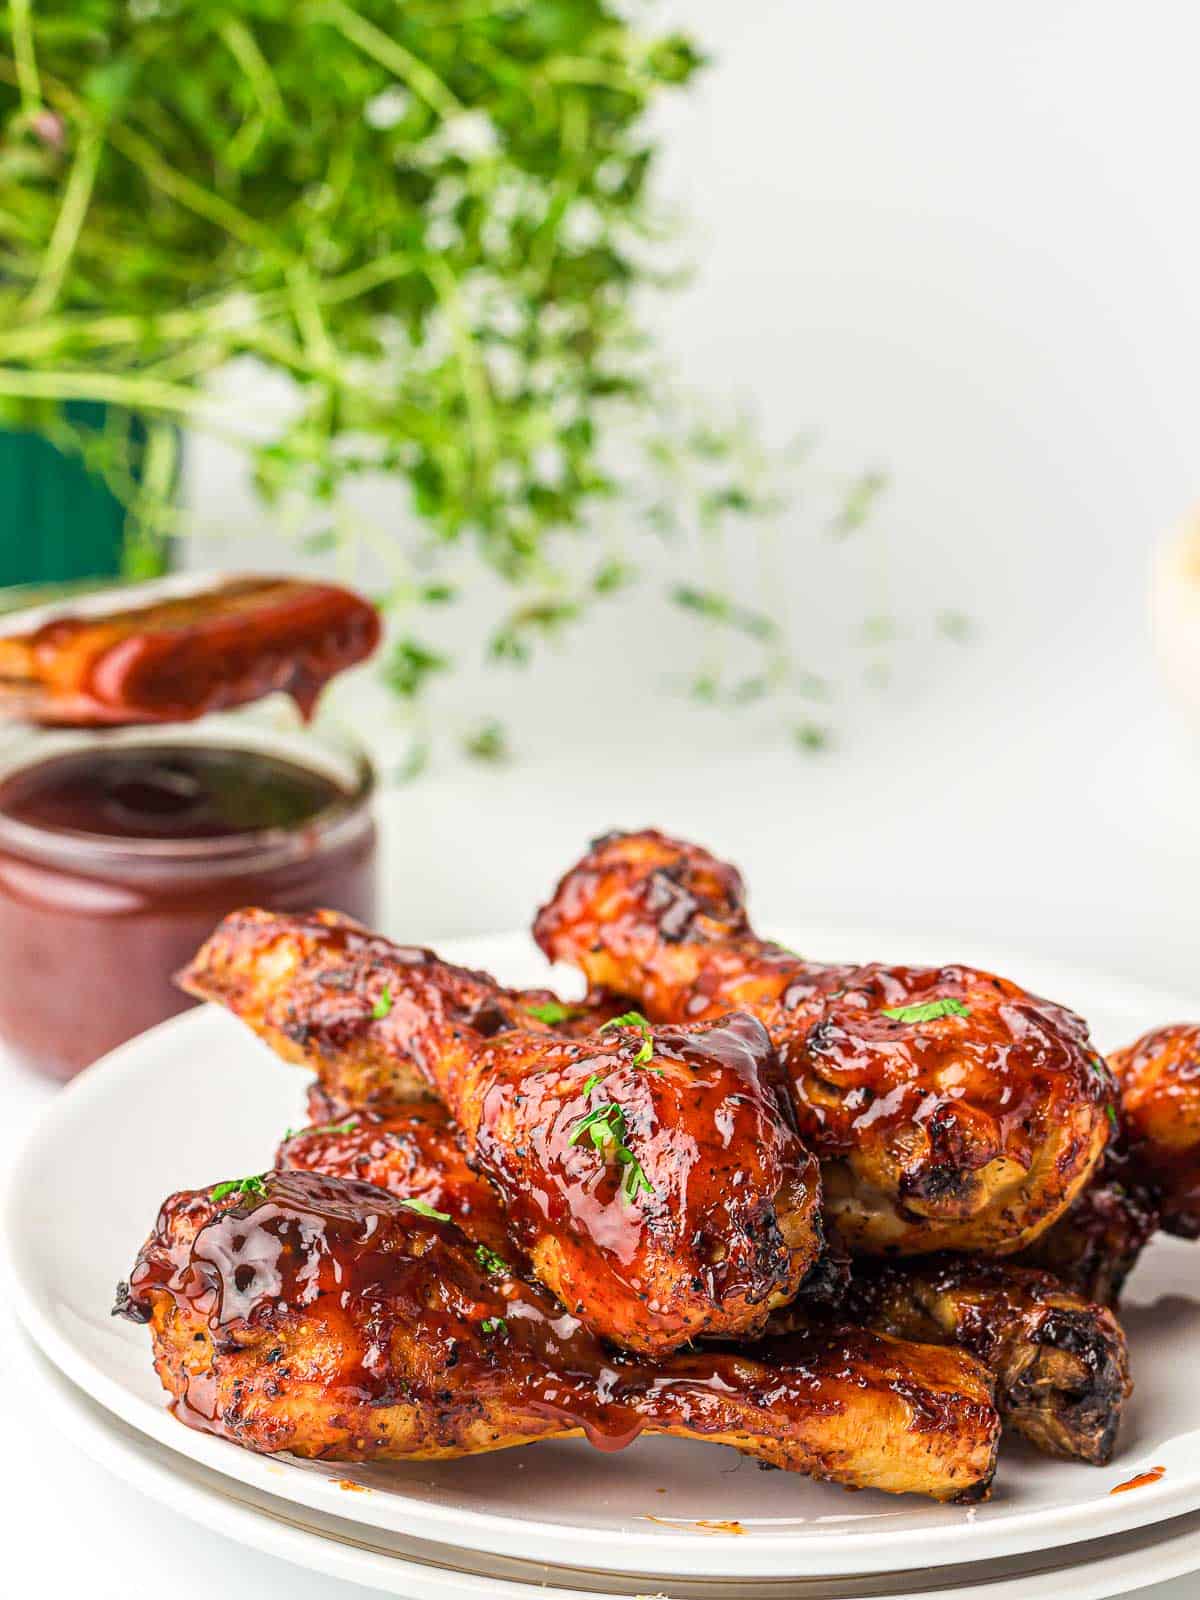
column 119, row 853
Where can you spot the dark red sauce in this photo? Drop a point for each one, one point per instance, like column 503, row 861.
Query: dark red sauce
column 117, row 861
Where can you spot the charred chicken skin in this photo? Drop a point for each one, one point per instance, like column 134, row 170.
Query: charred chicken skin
column 324, row 1317
column 1059, row 1361
column 652, row 1177
column 949, row 1108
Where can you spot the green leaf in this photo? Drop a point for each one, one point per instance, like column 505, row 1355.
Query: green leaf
column 634, row 1019
column 927, row 1011
column 409, row 664
column 240, row 1186
column 552, row 1012
column 424, row 1209
column 491, row 1262
column 383, row 1005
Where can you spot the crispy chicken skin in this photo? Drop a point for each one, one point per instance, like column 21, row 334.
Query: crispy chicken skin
column 656, row 1184
column 972, row 1130
column 1059, row 1361
column 176, row 657
column 1159, row 1079
column 323, row 1317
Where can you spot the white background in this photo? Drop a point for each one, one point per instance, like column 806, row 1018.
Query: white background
column 962, row 241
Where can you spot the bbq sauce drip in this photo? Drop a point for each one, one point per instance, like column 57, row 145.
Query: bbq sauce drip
column 167, row 792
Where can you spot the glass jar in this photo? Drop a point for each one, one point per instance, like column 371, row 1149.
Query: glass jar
column 120, row 851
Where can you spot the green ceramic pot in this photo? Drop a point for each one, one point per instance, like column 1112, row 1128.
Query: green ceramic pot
column 59, row 523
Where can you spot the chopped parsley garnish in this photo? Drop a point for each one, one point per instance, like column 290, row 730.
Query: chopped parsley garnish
column 592, row 1082
column 326, row 1127
column 494, row 1325
column 605, row 1127
column 383, row 1005
column 424, row 1209
column 244, row 1186
column 927, row 1011
column 490, row 1261
column 552, row 1012
column 1111, row 1112
column 634, row 1019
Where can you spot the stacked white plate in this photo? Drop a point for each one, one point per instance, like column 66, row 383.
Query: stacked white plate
column 198, row 1099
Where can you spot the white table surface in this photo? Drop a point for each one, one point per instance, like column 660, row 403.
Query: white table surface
column 1077, row 841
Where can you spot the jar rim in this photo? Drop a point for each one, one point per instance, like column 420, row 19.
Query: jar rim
column 79, row 848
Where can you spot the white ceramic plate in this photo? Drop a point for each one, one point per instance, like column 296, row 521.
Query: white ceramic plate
column 198, row 1099
column 421, row 1571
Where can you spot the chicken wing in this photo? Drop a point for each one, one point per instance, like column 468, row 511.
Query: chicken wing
column 653, row 1178
column 950, row 1109
column 324, row 1317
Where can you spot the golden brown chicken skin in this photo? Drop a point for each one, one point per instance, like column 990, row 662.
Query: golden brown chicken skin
column 326, row 1318
column 415, row 1153
column 654, row 1180
column 1060, row 1361
column 1159, row 1080
column 950, row 1109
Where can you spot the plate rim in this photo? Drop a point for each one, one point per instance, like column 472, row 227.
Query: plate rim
column 326, row 1551
column 667, row 1552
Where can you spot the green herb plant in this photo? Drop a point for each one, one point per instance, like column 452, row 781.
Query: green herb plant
column 432, row 220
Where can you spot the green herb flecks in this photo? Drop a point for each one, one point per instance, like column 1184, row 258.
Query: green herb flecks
column 383, row 1005
column 494, row 1325
column 605, row 1127
column 326, row 1127
column 927, row 1011
column 1111, row 1112
column 552, row 1012
column 424, row 1209
column 634, row 1019
column 591, row 1082
column 491, row 1262
column 240, row 1186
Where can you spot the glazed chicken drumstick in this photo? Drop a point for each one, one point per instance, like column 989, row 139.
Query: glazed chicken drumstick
column 654, row 1179
column 949, row 1108
column 324, row 1317
column 1059, row 1362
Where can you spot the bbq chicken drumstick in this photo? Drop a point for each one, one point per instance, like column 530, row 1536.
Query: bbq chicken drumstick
column 949, row 1108
column 324, row 1317
column 652, row 1177
column 1059, row 1362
